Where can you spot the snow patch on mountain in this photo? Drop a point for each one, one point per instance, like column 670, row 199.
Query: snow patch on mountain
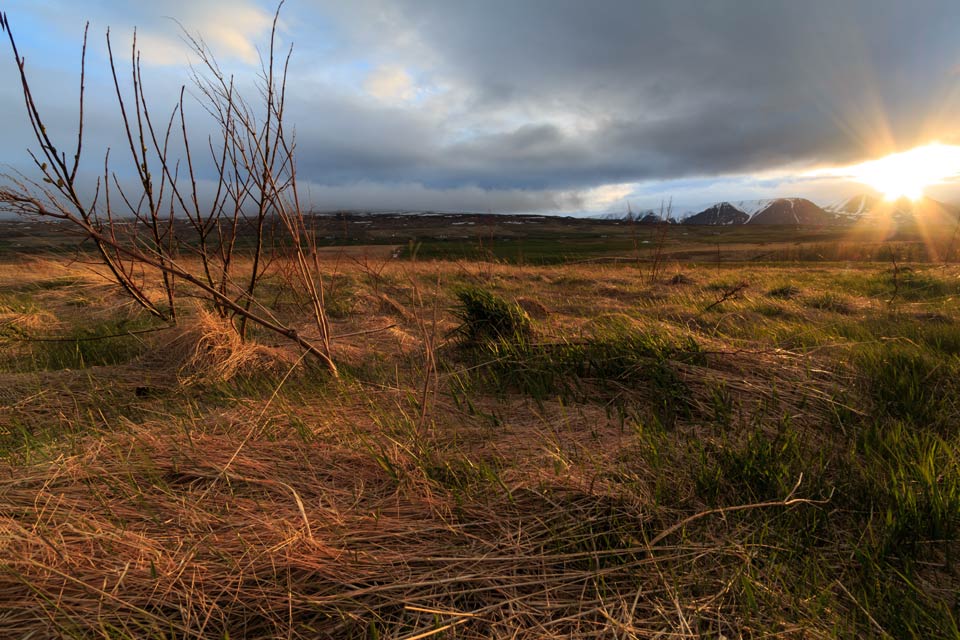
column 720, row 214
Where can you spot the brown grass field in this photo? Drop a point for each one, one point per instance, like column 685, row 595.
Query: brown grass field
column 721, row 450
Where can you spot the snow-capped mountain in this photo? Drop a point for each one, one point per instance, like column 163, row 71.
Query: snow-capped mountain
column 855, row 207
column 722, row 213
column 792, row 211
column 648, row 216
column 753, row 207
column 865, row 207
column 776, row 211
column 873, row 208
column 627, row 216
column 655, row 218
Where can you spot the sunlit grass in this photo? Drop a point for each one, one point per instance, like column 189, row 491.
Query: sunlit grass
column 792, row 450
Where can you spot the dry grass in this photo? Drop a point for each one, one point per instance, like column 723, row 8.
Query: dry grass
column 245, row 494
column 156, row 537
column 208, row 350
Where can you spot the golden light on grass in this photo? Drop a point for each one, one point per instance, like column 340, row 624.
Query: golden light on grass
column 909, row 173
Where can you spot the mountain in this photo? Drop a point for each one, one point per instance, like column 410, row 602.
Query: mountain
column 654, row 218
column 722, row 213
column 927, row 211
column 866, row 208
column 629, row 216
column 648, row 216
column 793, row 211
column 778, row 211
column 855, row 207
column 874, row 209
column 752, row 207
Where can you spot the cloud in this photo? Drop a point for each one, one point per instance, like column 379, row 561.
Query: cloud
column 415, row 196
column 391, row 84
column 558, row 101
column 233, row 29
column 680, row 88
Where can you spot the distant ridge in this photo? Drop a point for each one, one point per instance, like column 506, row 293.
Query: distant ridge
column 780, row 211
column 868, row 207
column 722, row 213
column 855, row 207
column 793, row 211
column 655, row 218
column 629, row 216
column 862, row 207
column 648, row 216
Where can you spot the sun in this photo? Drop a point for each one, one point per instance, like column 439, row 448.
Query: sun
column 909, row 173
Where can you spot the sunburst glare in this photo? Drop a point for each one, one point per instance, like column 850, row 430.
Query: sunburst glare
column 909, row 173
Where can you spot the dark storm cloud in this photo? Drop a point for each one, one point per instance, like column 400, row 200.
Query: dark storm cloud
column 680, row 88
column 555, row 96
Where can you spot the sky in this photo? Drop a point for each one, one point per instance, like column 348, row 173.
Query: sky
column 551, row 106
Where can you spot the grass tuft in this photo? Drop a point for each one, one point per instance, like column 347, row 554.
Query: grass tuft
column 908, row 383
column 784, row 292
column 486, row 317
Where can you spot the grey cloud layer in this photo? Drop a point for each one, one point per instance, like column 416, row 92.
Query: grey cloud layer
column 625, row 91
column 556, row 96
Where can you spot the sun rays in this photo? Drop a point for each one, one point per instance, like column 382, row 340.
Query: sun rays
column 906, row 174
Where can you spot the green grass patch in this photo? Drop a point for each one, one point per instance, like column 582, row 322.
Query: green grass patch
column 784, row 292
column 18, row 302
column 105, row 343
column 612, row 358
column 486, row 316
column 910, row 384
column 760, row 468
column 832, row 302
column 912, row 479
column 911, row 284
column 52, row 284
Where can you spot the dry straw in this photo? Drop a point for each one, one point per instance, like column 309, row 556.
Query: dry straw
column 209, row 350
column 144, row 535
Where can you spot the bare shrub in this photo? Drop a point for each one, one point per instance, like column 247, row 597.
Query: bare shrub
column 162, row 238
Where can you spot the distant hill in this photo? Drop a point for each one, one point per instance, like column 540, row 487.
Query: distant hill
column 654, row 218
column 872, row 208
column 642, row 217
column 928, row 211
column 628, row 216
column 722, row 213
column 863, row 207
column 855, row 207
column 793, row 211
